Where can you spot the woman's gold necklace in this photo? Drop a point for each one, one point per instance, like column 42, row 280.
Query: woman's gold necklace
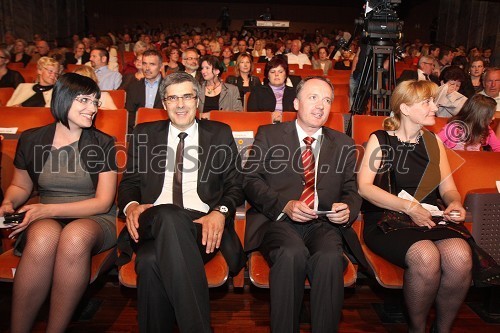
column 211, row 91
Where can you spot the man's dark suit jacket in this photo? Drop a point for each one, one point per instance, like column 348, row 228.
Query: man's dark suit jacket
column 262, row 99
column 408, row 75
column 136, row 98
column 274, row 175
column 219, row 181
column 70, row 58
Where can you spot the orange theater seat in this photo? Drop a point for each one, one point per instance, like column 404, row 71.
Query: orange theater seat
column 145, row 115
column 340, row 89
column 5, row 95
column 30, row 75
column 113, row 122
column 340, row 104
column 242, row 121
column 119, row 97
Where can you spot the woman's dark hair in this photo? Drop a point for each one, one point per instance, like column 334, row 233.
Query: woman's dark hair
column 67, row 88
column 214, row 62
column 452, row 73
column 476, row 115
column 276, row 62
column 461, row 61
column 272, row 46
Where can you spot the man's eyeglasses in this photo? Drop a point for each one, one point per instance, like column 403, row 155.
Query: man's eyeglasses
column 429, row 63
column 50, row 71
column 173, row 99
column 2, row 57
column 85, row 100
column 191, row 58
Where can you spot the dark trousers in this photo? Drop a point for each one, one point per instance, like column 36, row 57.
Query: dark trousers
column 171, row 281
column 294, row 251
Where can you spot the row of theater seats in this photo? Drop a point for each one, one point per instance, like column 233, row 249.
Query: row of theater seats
column 483, row 165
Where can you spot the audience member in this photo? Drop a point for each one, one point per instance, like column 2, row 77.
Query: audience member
column 449, row 100
column 215, row 94
column 436, row 260
column 271, row 50
column 295, row 57
column 227, row 57
column 191, row 62
column 258, row 50
column 470, row 128
column 75, row 218
column 8, row 77
column 78, row 56
column 492, row 84
column 283, row 222
column 173, row 64
column 345, row 61
column 243, row 77
column 445, row 57
column 133, row 77
column 423, row 73
column 42, row 50
column 322, row 62
column 180, row 213
column 37, row 94
column 108, row 79
column 145, row 92
column 19, row 52
column 274, row 95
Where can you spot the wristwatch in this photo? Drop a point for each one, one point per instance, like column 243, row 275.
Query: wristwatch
column 223, row 210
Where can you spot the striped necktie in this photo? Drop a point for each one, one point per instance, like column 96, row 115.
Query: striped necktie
column 309, row 173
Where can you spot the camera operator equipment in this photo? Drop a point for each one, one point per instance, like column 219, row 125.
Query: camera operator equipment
column 381, row 30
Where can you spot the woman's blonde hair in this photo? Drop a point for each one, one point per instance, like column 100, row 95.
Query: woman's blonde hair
column 47, row 61
column 409, row 93
column 239, row 60
column 86, row 71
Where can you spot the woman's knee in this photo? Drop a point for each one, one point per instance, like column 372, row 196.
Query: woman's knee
column 423, row 257
column 79, row 238
column 43, row 234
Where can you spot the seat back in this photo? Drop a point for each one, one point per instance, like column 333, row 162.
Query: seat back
column 30, row 75
column 119, row 97
column 5, row 95
column 340, row 104
column 242, row 121
column 145, row 115
column 113, row 122
column 25, row 117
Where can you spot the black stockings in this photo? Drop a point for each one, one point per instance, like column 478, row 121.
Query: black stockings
column 438, row 272
column 53, row 257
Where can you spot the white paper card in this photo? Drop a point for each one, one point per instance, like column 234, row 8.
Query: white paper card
column 8, row 130
column 434, row 210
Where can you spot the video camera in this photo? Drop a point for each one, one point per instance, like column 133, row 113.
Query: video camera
column 381, row 20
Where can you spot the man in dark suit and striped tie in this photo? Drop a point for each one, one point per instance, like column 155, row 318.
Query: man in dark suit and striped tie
column 301, row 184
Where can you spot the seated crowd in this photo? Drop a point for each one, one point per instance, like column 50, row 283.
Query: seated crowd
column 179, row 212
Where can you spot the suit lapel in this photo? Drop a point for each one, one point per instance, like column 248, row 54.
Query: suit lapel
column 291, row 140
column 326, row 152
column 159, row 139
column 205, row 138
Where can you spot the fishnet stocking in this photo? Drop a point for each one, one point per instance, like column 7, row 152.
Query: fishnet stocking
column 456, row 266
column 78, row 241
column 34, row 273
column 421, row 282
column 57, row 256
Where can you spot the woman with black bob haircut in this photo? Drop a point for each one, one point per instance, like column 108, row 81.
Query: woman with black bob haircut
column 72, row 165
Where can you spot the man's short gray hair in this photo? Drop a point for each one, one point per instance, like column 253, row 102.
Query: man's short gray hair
column 177, row 78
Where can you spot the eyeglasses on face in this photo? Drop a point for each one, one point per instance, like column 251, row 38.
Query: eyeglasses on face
column 429, row 63
column 191, row 58
column 86, row 100
column 174, row 99
column 50, row 71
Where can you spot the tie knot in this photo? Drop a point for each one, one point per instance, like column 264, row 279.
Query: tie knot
column 182, row 135
column 308, row 140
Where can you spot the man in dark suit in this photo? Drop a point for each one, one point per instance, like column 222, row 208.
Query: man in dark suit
column 179, row 195
column 301, row 184
column 424, row 71
column 145, row 92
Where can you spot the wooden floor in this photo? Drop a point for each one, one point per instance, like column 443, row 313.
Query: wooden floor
column 246, row 311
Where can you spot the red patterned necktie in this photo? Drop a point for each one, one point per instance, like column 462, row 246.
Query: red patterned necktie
column 308, row 162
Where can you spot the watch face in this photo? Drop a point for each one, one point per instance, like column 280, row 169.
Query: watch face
column 224, row 209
